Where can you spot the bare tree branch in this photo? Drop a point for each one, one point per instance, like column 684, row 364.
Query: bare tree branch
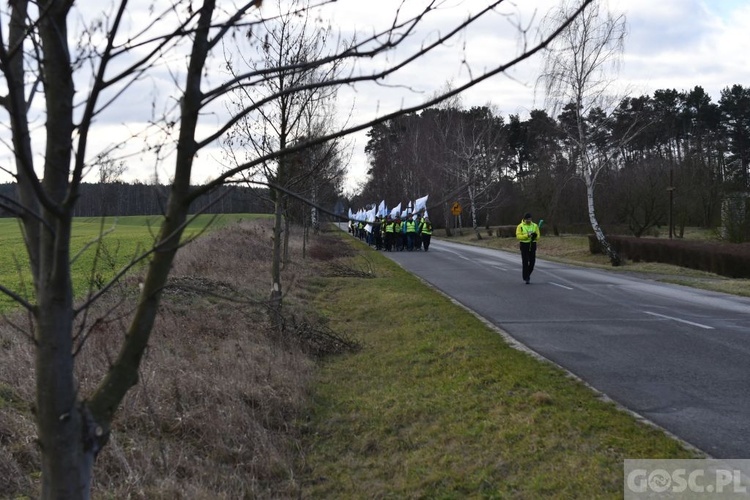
column 180, row 43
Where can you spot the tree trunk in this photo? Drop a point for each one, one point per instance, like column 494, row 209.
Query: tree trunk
column 285, row 260
column 62, row 423
column 305, row 236
column 614, row 257
column 275, row 299
column 474, row 223
column 66, row 468
column 446, row 217
column 314, row 214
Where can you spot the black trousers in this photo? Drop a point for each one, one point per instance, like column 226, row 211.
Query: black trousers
column 426, row 241
column 528, row 258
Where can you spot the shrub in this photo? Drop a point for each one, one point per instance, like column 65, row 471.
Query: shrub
column 731, row 260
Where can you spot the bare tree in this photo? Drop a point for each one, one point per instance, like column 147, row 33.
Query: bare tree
column 478, row 148
column 577, row 75
column 110, row 170
column 78, row 77
column 292, row 42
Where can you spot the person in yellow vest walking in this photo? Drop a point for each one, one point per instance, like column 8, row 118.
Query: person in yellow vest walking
column 527, row 234
column 390, row 227
column 410, row 230
column 425, row 230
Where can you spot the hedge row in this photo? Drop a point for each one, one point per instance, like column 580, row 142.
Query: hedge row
column 725, row 259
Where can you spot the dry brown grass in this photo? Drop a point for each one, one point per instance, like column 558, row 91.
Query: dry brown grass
column 210, row 417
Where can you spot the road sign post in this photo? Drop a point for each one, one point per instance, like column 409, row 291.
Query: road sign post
column 456, row 211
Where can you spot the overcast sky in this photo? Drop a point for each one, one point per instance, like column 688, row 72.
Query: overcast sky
column 671, row 44
column 676, row 44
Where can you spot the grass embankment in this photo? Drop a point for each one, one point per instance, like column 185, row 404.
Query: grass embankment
column 211, row 414
column 437, row 405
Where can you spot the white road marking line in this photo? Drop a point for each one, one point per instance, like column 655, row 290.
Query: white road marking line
column 561, row 286
column 500, row 268
column 705, row 327
column 457, row 254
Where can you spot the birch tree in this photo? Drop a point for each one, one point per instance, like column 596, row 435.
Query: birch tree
column 579, row 75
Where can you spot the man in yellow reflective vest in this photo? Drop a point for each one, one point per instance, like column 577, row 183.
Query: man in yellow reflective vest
column 410, row 229
column 390, row 227
column 425, row 230
column 527, row 234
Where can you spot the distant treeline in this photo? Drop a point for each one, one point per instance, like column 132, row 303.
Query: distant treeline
column 121, row 199
column 689, row 163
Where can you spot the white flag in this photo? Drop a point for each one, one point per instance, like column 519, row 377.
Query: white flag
column 420, row 204
column 396, row 210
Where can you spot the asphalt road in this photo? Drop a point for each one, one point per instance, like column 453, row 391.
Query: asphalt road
column 677, row 356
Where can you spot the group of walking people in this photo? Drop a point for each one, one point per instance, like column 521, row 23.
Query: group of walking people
column 414, row 233
column 395, row 234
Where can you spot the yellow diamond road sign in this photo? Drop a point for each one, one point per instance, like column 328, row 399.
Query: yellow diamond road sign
column 456, row 208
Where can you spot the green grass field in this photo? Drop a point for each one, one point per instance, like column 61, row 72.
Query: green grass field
column 100, row 247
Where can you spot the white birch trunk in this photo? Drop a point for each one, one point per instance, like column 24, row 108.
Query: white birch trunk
column 614, row 257
column 474, row 224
